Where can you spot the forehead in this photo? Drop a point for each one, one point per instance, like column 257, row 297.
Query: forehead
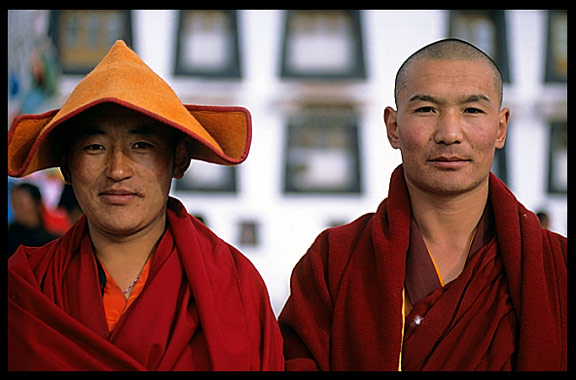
column 451, row 77
column 110, row 119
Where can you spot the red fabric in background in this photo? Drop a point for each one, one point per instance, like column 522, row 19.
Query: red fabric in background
column 204, row 307
column 345, row 308
column 55, row 221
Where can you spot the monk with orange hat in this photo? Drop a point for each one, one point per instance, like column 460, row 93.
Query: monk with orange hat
column 137, row 283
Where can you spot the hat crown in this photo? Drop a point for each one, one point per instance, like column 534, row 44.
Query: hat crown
column 121, row 75
column 221, row 134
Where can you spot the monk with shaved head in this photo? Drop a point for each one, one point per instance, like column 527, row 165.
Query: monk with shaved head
column 451, row 272
column 449, row 49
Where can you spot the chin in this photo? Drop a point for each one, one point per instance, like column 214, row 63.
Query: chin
column 445, row 183
column 122, row 228
column 118, row 223
column 452, row 188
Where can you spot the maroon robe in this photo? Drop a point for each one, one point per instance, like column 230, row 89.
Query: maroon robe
column 204, row 307
column 345, row 307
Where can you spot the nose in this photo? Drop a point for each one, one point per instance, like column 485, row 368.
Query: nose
column 449, row 129
column 119, row 166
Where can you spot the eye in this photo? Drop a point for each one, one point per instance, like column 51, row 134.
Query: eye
column 93, row 147
column 473, row 110
column 426, row 109
column 142, row 145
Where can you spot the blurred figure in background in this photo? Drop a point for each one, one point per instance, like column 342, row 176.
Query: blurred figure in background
column 27, row 227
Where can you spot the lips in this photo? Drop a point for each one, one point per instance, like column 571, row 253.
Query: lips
column 118, row 196
column 448, row 162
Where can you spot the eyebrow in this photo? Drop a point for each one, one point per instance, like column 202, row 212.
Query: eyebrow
column 142, row 129
column 465, row 99
column 92, row 130
column 477, row 98
column 423, row 98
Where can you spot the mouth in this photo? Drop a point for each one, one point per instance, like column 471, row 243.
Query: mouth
column 118, row 196
column 449, row 162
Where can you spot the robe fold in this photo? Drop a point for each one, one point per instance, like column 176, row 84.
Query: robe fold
column 475, row 309
column 507, row 310
column 203, row 307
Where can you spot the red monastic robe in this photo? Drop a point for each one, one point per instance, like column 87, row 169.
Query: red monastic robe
column 204, row 307
column 507, row 310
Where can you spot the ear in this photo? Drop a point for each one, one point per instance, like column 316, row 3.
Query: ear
column 182, row 157
column 503, row 118
column 66, row 174
column 390, row 119
column 65, row 170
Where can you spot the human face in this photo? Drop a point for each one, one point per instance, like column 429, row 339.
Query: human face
column 120, row 164
column 25, row 208
column 448, row 125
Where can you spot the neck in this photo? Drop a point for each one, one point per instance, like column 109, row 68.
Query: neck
column 125, row 256
column 447, row 224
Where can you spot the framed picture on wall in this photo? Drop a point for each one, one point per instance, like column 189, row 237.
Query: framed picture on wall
column 248, row 233
column 83, row 37
column 207, row 44
column 323, row 44
column 206, row 177
column 486, row 29
column 322, row 154
column 557, row 47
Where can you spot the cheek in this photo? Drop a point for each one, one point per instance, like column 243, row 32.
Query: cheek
column 156, row 175
column 414, row 133
column 82, row 183
column 162, row 165
column 83, row 172
column 412, row 139
column 483, row 139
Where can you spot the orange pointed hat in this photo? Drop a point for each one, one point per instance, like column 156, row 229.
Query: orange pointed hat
column 221, row 135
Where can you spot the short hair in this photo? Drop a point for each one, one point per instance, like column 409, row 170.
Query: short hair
column 450, row 48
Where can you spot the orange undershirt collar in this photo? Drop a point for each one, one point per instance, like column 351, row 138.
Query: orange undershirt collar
column 114, row 300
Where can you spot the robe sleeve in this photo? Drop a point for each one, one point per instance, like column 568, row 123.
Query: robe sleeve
column 306, row 319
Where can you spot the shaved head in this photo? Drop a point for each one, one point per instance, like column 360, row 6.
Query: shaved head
column 448, row 49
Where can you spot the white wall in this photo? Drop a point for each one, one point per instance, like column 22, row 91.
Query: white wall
column 289, row 224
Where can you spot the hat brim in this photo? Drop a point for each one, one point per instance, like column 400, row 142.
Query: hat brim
column 31, row 146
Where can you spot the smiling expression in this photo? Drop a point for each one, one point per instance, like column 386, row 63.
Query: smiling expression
column 447, row 125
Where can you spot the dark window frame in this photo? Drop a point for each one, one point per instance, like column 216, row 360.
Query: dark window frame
column 57, row 38
column 552, row 75
column 500, row 23
column 234, row 68
column 358, row 68
column 349, row 123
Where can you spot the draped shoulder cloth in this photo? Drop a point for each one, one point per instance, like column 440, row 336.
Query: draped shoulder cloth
column 204, row 307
